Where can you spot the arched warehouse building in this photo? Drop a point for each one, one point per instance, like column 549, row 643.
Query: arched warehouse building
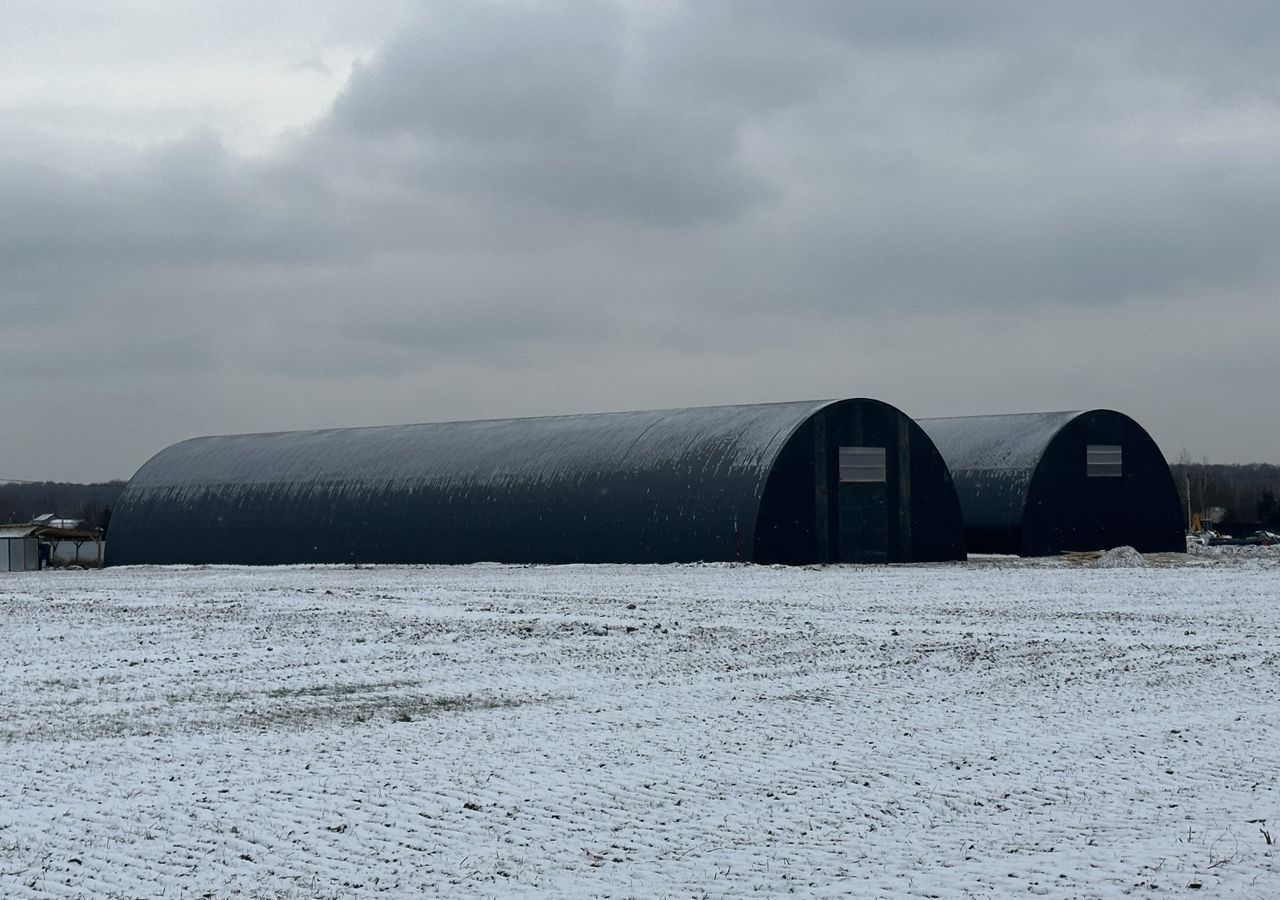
column 1037, row 484
column 825, row 481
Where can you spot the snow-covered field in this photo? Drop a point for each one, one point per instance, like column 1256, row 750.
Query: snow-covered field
column 990, row 729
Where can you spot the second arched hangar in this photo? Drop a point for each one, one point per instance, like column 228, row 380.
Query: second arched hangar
column 1037, row 484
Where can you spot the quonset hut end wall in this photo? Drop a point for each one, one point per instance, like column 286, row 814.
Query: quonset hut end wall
column 780, row 482
column 1037, row 484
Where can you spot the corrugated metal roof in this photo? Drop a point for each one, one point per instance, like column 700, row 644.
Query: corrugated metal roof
column 16, row 531
column 734, row 439
column 998, row 443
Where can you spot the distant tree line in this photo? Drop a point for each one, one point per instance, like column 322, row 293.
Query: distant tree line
column 22, row 502
column 1247, row 494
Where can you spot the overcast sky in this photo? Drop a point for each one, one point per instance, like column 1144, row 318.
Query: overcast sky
column 237, row 216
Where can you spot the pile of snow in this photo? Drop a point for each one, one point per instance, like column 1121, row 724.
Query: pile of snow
column 1225, row 551
column 1121, row 558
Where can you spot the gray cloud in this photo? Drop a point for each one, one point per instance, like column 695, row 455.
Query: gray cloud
column 552, row 207
column 565, row 122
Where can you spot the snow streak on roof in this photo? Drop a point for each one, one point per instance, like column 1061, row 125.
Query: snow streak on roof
column 733, row 440
column 1010, row 442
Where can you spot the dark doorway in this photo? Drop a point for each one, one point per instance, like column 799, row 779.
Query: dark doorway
column 862, row 518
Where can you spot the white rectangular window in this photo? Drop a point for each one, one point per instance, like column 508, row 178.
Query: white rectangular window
column 1102, row 461
column 862, row 464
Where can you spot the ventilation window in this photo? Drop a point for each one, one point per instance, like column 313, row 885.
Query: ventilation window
column 862, row 464
column 1102, row 461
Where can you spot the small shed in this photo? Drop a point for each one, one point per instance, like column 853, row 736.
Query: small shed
column 19, row 548
column 1037, row 484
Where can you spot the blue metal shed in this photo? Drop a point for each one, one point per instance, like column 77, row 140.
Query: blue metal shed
column 19, row 548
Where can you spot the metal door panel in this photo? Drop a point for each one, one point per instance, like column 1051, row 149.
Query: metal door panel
column 863, row 526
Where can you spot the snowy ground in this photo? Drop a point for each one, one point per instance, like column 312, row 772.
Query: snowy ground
column 990, row 729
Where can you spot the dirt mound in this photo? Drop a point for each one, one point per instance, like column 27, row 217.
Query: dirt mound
column 1121, row 558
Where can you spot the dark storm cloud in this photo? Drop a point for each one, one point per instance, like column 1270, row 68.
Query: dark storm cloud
column 547, row 106
column 1005, row 154
column 688, row 198
column 997, row 154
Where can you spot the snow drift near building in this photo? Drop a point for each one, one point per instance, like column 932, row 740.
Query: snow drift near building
column 820, row 481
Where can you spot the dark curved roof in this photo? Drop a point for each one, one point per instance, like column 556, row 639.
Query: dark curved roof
column 1008, row 442
column 708, row 465
column 739, row 440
